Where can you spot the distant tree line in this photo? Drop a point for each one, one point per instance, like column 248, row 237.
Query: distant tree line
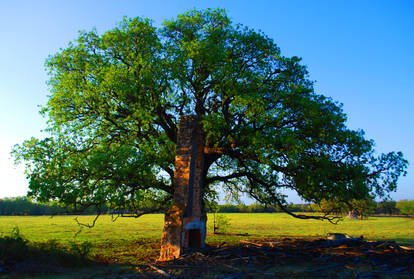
column 26, row 206
column 406, row 207
column 259, row 208
column 362, row 207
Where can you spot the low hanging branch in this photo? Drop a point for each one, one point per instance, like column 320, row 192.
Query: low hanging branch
column 88, row 225
column 253, row 179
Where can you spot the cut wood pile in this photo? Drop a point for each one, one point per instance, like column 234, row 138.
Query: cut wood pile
column 336, row 257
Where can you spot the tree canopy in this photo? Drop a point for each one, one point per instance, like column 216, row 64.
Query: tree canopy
column 116, row 99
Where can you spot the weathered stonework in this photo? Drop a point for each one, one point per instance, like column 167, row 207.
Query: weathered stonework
column 185, row 222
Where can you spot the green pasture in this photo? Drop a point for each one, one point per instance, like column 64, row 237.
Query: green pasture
column 135, row 241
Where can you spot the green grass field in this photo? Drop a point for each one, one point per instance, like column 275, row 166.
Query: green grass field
column 136, row 241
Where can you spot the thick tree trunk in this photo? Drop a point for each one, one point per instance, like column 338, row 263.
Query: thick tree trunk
column 185, row 222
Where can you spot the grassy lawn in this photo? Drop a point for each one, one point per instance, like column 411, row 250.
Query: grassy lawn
column 134, row 241
column 279, row 225
column 130, row 242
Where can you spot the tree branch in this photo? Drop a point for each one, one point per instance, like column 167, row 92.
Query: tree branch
column 212, row 179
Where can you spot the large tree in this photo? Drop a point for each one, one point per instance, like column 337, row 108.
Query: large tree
column 116, row 99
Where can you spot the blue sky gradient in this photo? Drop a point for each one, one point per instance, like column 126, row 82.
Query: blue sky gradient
column 360, row 53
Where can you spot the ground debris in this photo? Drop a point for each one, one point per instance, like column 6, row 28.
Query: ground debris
column 294, row 258
column 160, row 271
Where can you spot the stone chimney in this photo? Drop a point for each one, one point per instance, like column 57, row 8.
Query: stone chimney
column 185, row 222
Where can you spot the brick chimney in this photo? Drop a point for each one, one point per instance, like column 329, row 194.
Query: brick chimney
column 185, row 222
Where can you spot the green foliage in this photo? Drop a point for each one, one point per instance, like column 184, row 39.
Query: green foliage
column 387, row 207
column 332, row 207
column 406, row 207
column 221, row 223
column 361, row 207
column 260, row 208
column 115, row 102
column 15, row 206
column 27, row 206
column 231, row 208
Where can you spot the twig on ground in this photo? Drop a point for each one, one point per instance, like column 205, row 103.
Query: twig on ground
column 251, row 243
column 160, row 271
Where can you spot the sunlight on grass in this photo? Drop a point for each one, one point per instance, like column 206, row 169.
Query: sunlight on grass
column 136, row 240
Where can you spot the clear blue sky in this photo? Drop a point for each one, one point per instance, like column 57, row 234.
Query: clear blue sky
column 360, row 53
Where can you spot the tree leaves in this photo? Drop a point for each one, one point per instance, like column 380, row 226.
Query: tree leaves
column 115, row 102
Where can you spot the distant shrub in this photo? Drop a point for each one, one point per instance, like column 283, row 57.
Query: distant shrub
column 221, row 223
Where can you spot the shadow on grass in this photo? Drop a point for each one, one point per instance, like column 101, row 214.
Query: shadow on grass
column 19, row 257
column 408, row 241
column 280, row 258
